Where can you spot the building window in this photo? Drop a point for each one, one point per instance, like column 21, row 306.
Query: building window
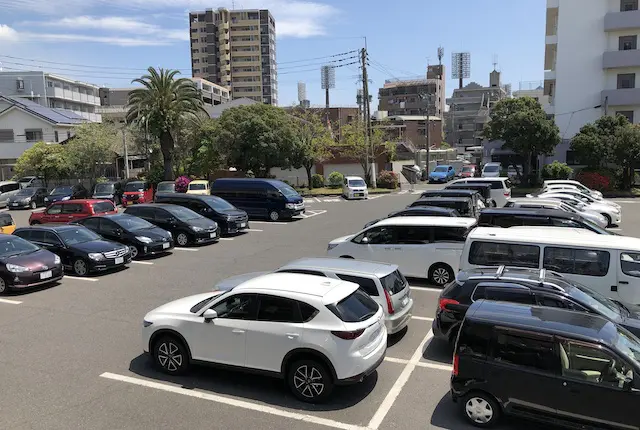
column 627, row 43
column 627, row 5
column 194, row 30
column 626, row 80
column 6, row 135
column 33, row 135
column 572, row 159
column 49, row 84
column 627, row 114
column 196, row 61
column 194, row 41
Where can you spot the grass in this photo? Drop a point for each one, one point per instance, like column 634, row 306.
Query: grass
column 324, row 191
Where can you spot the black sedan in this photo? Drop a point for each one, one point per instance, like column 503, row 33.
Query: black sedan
column 419, row 211
column 80, row 249
column 27, row 198
column 23, row 264
column 142, row 237
column 67, row 192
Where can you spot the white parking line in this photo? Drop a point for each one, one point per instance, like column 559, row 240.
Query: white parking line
column 421, row 318
column 226, row 238
column 403, row 192
column 376, row 197
column 317, row 200
column 10, row 302
column 253, row 229
column 433, row 290
column 80, row 278
column 270, row 222
column 428, row 365
column 331, row 200
column 148, row 263
column 395, row 391
column 231, row 402
column 186, row 249
column 314, row 213
column 615, row 229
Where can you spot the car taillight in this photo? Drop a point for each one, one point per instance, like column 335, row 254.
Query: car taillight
column 389, row 302
column 507, row 193
column 444, row 302
column 454, row 372
column 348, row 335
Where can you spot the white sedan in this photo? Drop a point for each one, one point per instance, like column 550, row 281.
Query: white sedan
column 611, row 213
column 314, row 332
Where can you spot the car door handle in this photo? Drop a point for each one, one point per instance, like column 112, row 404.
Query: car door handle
column 238, row 331
column 293, row 335
column 624, row 282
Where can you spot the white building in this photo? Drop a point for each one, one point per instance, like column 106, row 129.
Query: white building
column 52, row 91
column 592, row 63
column 535, row 90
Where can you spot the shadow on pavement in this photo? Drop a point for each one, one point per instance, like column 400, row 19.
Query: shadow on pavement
column 420, row 282
column 393, row 339
column 252, row 387
column 439, row 351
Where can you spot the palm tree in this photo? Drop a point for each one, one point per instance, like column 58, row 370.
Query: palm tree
column 162, row 104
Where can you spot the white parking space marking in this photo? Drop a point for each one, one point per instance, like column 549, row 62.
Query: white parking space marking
column 231, row 402
column 317, row 200
column 313, row 213
column 253, row 229
column 615, row 229
column 445, row 367
column 331, row 200
column 10, row 302
column 403, row 192
column 226, row 238
column 186, row 249
column 80, row 278
column 421, row 318
column 270, row 222
column 376, row 197
column 147, row 263
column 395, row 391
column 426, row 289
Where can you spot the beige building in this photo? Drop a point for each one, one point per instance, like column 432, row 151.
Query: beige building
column 417, row 96
column 236, row 49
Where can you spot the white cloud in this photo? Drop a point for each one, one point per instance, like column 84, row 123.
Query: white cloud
column 7, row 34
column 110, row 40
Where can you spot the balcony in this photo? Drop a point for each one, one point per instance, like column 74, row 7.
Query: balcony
column 60, row 93
column 615, row 21
column 549, row 75
column 615, row 59
column 621, row 97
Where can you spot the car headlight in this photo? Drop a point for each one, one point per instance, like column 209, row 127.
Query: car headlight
column 27, row 200
column 46, row 199
column 56, row 260
column 14, row 268
column 331, row 246
column 229, row 218
column 196, row 228
column 97, row 256
column 146, row 323
column 290, row 206
column 144, row 239
column 66, row 198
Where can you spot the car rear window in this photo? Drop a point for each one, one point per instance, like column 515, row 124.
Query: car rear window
column 355, row 308
column 103, row 207
column 394, row 282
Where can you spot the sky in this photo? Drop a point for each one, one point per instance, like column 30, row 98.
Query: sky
column 111, row 42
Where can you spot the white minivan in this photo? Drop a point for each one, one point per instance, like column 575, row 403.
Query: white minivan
column 607, row 264
column 422, row 247
column 500, row 188
column 354, row 187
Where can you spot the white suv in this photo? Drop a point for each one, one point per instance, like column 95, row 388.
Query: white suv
column 314, row 332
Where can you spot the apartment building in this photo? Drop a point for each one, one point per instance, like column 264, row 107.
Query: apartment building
column 417, row 96
column 236, row 49
column 52, row 91
column 592, row 63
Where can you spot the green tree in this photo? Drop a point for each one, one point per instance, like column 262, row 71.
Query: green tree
column 313, row 141
column 523, row 126
column 161, row 106
column 206, row 156
column 595, row 141
column 354, row 145
column 626, row 152
column 45, row 160
column 255, row 137
column 92, row 149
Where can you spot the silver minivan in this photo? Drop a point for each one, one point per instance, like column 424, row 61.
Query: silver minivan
column 383, row 282
column 7, row 189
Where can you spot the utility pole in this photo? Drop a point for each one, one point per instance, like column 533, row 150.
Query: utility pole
column 367, row 118
column 126, row 153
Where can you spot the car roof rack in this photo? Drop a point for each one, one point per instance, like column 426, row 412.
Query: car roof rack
column 500, row 271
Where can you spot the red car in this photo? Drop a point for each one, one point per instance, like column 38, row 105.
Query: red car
column 72, row 210
column 137, row 192
column 468, row 171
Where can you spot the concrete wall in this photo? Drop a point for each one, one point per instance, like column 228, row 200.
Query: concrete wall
column 293, row 176
column 347, row 169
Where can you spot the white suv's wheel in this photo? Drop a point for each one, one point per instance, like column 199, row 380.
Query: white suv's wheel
column 310, row 381
column 170, row 355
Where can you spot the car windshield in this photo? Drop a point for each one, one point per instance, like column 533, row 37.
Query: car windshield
column 102, row 207
column 167, row 187
column 105, row 188
column 287, row 191
column 74, row 236
column 193, row 186
column 628, row 345
column 492, row 168
column 394, row 282
column 134, row 187
column 597, row 228
column 219, row 204
column 61, row 190
column 132, row 223
column 468, row 169
column 25, row 192
column 594, row 300
column 440, row 169
column 357, row 183
column 14, row 245
column 182, row 213
column 25, row 180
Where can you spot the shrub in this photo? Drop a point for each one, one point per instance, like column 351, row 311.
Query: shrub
column 336, row 179
column 101, row 180
column 556, row 170
column 595, row 180
column 182, row 183
column 317, row 181
column 387, row 179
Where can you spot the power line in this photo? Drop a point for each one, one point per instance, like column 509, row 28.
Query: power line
column 316, row 68
column 64, row 69
column 319, row 64
column 78, row 65
column 319, row 58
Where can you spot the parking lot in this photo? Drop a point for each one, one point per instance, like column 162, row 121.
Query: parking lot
column 71, row 352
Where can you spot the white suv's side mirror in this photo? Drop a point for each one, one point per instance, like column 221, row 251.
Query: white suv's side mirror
column 209, row 315
column 365, row 240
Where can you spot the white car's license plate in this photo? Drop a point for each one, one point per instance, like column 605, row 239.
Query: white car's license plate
column 46, row 275
column 119, row 260
column 243, row 224
column 165, row 245
column 405, row 300
column 14, row 204
column 212, row 235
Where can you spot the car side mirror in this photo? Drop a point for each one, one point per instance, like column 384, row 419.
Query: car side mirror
column 119, row 232
column 210, row 315
column 365, row 240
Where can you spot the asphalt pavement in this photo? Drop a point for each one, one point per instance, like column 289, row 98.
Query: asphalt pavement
column 72, row 355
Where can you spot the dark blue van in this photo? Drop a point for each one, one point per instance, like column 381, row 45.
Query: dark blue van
column 260, row 198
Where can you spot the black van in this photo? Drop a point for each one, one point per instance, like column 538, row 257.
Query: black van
column 557, row 366
column 230, row 219
column 260, row 198
column 464, row 205
column 516, row 217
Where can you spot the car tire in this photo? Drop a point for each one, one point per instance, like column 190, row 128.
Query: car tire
column 310, row 381
column 80, row 267
column 33, row 205
column 441, row 274
column 35, row 223
column 170, row 355
column 133, row 250
column 481, row 409
column 347, row 257
column 4, row 287
column 274, row 215
column 182, row 238
column 609, row 221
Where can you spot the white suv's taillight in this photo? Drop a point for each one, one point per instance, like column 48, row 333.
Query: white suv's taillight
column 348, row 335
column 389, row 303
